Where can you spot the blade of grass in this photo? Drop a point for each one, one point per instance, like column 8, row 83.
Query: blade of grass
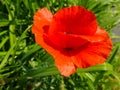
column 114, row 52
column 16, row 43
column 4, row 23
column 3, row 42
column 100, row 67
column 34, row 49
column 90, row 76
column 42, row 72
column 3, row 63
column 3, row 32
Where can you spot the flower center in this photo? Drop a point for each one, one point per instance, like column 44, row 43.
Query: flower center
column 68, row 49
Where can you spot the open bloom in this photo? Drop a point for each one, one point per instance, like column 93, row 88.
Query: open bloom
column 73, row 37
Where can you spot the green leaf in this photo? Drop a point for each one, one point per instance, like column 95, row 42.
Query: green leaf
column 100, row 67
column 3, row 63
column 114, row 52
column 30, row 52
column 3, row 42
column 4, row 23
column 26, row 2
column 40, row 72
column 3, row 32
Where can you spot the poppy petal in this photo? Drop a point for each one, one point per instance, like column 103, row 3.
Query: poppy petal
column 63, row 63
column 42, row 18
column 64, row 40
column 40, row 40
column 76, row 20
column 67, row 40
column 94, row 53
column 100, row 35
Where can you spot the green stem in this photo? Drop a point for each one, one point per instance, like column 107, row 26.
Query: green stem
column 11, row 15
column 12, row 28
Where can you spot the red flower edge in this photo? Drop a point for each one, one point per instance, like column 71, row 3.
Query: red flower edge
column 73, row 37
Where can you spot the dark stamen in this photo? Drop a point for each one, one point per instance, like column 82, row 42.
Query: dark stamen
column 68, row 49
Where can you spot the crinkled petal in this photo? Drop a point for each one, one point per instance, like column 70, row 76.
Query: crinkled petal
column 100, row 35
column 76, row 20
column 67, row 40
column 42, row 19
column 94, row 53
column 64, row 40
column 64, row 64
column 39, row 38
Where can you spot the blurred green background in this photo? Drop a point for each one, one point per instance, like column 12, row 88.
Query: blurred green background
column 26, row 66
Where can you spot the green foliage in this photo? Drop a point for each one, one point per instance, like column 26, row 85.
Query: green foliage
column 26, row 66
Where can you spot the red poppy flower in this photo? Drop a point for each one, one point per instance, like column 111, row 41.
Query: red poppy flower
column 73, row 37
